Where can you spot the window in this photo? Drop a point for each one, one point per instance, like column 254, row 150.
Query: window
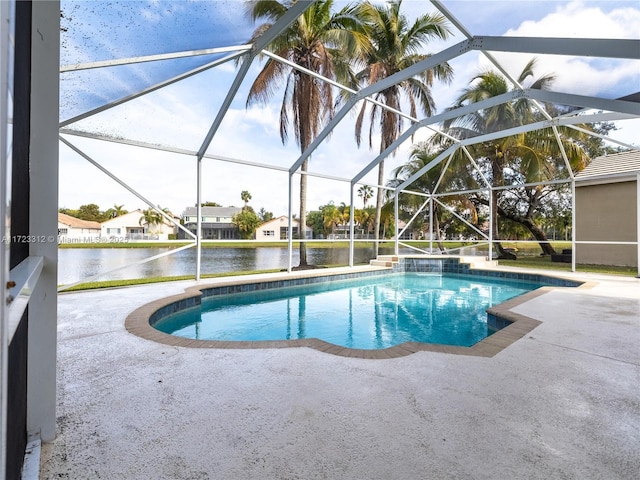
column 113, row 231
column 285, row 230
column 63, row 231
column 269, row 233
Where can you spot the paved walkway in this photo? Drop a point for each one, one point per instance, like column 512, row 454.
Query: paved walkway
column 561, row 403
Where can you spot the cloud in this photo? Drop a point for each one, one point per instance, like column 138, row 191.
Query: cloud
column 580, row 19
column 585, row 76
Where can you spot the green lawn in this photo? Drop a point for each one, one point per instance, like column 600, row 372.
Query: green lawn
column 546, row 263
column 141, row 281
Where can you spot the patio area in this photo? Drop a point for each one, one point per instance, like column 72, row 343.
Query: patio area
column 562, row 402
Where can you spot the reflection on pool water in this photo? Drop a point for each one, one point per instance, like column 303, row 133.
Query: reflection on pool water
column 369, row 313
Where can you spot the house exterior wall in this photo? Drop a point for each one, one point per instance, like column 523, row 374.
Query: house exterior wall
column 607, row 212
column 217, row 223
column 277, row 229
column 68, row 234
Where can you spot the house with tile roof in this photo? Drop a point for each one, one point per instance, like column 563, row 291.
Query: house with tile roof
column 607, row 210
column 75, row 230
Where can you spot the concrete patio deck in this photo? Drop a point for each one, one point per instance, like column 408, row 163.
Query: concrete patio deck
column 563, row 402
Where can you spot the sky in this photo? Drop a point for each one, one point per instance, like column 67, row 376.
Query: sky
column 181, row 114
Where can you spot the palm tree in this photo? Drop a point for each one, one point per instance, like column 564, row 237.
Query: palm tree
column 318, row 40
column 394, row 46
column 151, row 217
column 245, row 196
column 118, row 210
column 533, row 155
column 331, row 217
column 365, row 192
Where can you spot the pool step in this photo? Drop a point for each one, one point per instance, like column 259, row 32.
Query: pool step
column 479, row 262
column 384, row 261
column 474, row 262
column 380, row 263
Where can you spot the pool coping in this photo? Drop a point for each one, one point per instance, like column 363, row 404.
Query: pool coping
column 138, row 323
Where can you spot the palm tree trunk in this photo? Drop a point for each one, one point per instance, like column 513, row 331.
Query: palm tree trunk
column 436, row 226
column 502, row 253
column 376, row 223
column 303, row 214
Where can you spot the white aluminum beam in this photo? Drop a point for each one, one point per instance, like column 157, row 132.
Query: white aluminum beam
column 447, row 115
column 493, row 136
column 610, row 105
column 453, row 212
column 532, row 184
column 337, row 84
column 283, row 22
column 415, row 69
column 25, row 276
column 579, row 47
column 43, row 220
column 152, row 58
column 126, row 141
column 414, row 216
column 427, row 167
column 136, row 263
column 123, row 184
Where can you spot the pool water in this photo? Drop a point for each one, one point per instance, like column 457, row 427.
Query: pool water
column 371, row 313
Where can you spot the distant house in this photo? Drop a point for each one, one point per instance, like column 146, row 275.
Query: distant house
column 131, row 226
column 278, row 228
column 74, row 230
column 216, row 224
column 607, row 210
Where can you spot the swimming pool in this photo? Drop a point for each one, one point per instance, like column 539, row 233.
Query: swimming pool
column 365, row 313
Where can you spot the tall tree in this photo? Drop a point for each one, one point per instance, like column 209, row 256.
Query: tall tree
column 115, row 211
column 245, row 196
column 151, row 218
column 394, row 45
column 526, row 157
column 332, row 217
column 264, row 215
column 317, row 40
column 90, row 212
column 365, row 192
column 119, row 210
column 247, row 221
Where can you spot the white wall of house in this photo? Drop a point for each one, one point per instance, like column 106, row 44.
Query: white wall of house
column 128, row 227
column 277, row 229
column 70, row 233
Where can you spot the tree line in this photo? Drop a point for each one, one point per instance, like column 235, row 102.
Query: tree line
column 364, row 43
column 92, row 212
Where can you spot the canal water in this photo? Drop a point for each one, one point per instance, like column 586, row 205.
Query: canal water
column 76, row 264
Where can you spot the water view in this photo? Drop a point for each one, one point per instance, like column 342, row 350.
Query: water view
column 76, row 264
